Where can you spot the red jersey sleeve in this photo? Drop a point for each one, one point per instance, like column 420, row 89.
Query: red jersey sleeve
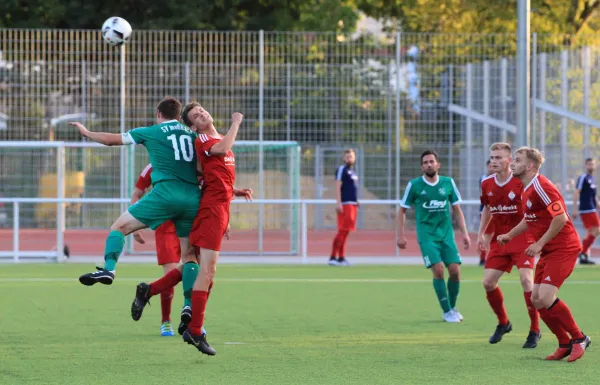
column 549, row 196
column 204, row 143
column 484, row 197
column 144, row 181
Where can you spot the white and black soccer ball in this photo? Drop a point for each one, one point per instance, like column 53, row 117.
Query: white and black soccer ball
column 116, row 31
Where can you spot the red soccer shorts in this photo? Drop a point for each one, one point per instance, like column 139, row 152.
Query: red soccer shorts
column 210, row 225
column 504, row 257
column 168, row 249
column 347, row 219
column 590, row 220
column 555, row 267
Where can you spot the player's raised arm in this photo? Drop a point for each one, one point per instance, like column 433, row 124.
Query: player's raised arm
column 104, row 138
column 226, row 144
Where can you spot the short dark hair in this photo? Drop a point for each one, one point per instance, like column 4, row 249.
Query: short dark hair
column 488, row 162
column 349, row 151
column 186, row 110
column 430, row 152
column 589, row 160
column 169, row 108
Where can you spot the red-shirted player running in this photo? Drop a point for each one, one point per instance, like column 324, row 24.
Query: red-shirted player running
column 556, row 239
column 502, row 210
column 168, row 250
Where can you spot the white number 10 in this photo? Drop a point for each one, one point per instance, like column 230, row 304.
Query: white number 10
column 185, row 148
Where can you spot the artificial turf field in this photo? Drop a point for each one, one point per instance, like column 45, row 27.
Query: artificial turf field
column 281, row 325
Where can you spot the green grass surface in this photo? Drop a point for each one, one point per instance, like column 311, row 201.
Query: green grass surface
column 281, row 325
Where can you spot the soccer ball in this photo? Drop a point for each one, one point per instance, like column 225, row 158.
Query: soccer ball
column 116, row 31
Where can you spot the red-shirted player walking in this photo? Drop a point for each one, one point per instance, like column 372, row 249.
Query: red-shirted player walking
column 502, row 210
column 168, row 250
column 559, row 246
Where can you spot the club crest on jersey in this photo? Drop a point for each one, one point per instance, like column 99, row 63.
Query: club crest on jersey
column 442, row 191
column 529, row 204
column 434, row 204
column 511, row 195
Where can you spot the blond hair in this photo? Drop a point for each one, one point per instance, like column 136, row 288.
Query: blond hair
column 533, row 155
column 501, row 146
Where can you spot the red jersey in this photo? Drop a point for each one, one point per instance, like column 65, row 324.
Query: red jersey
column 504, row 202
column 541, row 203
column 218, row 171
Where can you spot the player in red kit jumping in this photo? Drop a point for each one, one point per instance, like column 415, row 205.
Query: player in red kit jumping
column 502, row 210
column 558, row 245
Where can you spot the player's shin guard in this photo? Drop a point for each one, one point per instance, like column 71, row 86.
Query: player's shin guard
column 113, row 249
column 561, row 311
column 199, row 299
column 440, row 290
column 166, row 299
column 453, row 289
column 496, row 300
column 190, row 272
column 533, row 313
column 555, row 326
column 167, row 281
column 587, row 242
column 342, row 246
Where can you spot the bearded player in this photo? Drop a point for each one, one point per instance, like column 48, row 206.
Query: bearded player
column 557, row 243
column 502, row 210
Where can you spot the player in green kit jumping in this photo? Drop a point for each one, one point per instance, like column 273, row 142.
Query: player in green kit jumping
column 432, row 195
column 175, row 194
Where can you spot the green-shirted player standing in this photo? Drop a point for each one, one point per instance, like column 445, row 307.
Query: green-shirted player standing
column 432, row 195
column 175, row 194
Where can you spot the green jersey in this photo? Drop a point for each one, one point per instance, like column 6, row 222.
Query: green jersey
column 432, row 206
column 170, row 146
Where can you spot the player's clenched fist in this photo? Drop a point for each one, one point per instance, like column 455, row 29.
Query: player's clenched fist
column 401, row 242
column 236, row 117
column 503, row 239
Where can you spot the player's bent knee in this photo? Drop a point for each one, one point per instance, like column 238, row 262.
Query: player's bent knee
column 490, row 284
column 595, row 231
column 438, row 271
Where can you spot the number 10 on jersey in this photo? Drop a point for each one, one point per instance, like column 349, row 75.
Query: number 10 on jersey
column 184, row 149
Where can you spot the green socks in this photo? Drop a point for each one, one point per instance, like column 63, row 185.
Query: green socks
column 440, row 290
column 189, row 274
column 113, row 249
column 453, row 289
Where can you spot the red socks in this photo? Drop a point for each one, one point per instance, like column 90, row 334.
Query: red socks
column 339, row 244
column 496, row 300
column 561, row 311
column 166, row 298
column 587, row 242
column 167, row 281
column 533, row 313
column 199, row 299
column 555, row 327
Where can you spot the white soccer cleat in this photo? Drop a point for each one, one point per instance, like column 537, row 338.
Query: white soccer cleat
column 450, row 316
column 457, row 313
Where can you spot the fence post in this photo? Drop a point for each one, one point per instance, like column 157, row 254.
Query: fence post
column 261, row 103
column 504, row 92
column 60, row 206
column 533, row 115
column 469, row 141
column 450, row 121
column 398, row 131
column 543, row 99
column 187, row 82
column 122, row 154
column 486, row 108
column 586, row 98
column 304, row 233
column 564, row 91
column 16, row 228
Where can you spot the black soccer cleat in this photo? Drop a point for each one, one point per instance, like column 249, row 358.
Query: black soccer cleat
column 103, row 276
column 585, row 260
column 532, row 340
column 142, row 297
column 186, row 318
column 501, row 330
column 199, row 342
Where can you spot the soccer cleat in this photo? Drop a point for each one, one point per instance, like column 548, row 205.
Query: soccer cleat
column 585, row 260
column 199, row 342
column 186, row 318
column 501, row 330
column 451, row 317
column 532, row 340
column 578, row 348
column 343, row 262
column 333, row 261
column 560, row 353
column 103, row 276
column 457, row 313
column 166, row 329
column 142, row 297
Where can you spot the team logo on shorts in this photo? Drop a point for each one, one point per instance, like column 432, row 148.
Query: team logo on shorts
column 529, row 204
column 511, row 195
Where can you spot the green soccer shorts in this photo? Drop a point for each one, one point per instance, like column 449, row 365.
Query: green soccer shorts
column 174, row 201
column 440, row 251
